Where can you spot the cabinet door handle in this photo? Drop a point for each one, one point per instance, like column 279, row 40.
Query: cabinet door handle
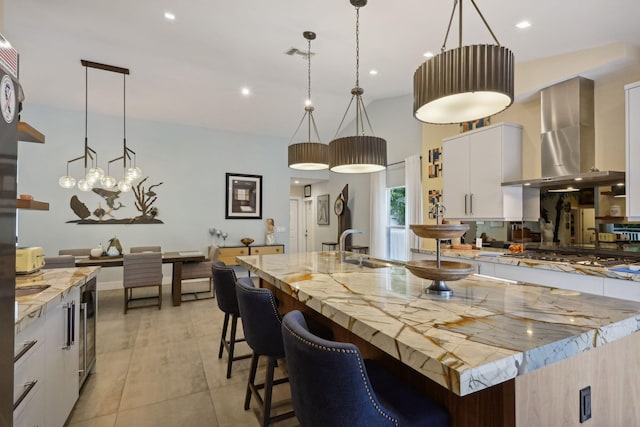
column 73, row 323
column 465, row 204
column 27, row 388
column 83, row 308
column 471, row 203
column 27, row 346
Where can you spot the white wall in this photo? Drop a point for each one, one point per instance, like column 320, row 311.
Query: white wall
column 191, row 162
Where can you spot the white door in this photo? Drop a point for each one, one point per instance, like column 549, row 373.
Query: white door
column 294, row 219
column 485, row 172
column 309, row 221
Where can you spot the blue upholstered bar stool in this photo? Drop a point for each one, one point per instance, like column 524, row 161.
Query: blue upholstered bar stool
column 224, row 284
column 262, row 327
column 331, row 385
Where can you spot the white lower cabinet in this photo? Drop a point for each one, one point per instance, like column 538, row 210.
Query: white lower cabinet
column 29, row 373
column 553, row 279
column 623, row 289
column 61, row 367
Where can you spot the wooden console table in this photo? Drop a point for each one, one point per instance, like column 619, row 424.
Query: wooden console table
column 228, row 254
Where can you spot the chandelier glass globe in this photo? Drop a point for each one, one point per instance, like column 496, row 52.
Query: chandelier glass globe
column 124, row 186
column 108, row 181
column 85, row 185
column 67, row 181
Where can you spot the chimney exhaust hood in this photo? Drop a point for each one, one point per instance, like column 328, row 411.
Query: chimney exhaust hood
column 568, row 139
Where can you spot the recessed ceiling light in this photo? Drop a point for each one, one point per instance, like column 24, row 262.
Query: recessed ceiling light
column 373, row 72
column 245, row 91
column 428, row 55
column 169, row 16
column 296, row 182
column 523, row 24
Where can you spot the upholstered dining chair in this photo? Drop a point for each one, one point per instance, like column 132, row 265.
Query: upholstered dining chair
column 140, row 249
column 224, row 284
column 331, row 385
column 141, row 270
column 61, row 261
column 75, row 252
column 201, row 270
column 261, row 324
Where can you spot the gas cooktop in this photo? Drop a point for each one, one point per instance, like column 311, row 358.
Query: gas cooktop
column 581, row 259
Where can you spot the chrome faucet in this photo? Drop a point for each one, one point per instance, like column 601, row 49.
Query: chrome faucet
column 343, row 238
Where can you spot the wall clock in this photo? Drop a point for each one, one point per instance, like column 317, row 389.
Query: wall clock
column 338, row 206
column 7, row 99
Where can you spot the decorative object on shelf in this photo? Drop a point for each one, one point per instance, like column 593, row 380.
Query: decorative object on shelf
column 466, row 83
column 114, row 248
column 307, row 191
column 246, row 241
column 97, row 251
column 438, row 270
column 323, row 209
column 224, row 238
column 344, row 215
column 95, row 173
column 243, row 196
column 133, row 172
column 359, row 153
column 271, row 228
column 308, row 155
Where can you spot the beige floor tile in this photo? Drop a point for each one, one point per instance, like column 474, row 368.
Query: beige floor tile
column 163, row 371
column 102, row 392
column 193, row 410
column 104, row 421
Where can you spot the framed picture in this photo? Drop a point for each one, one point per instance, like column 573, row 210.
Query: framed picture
column 244, row 196
column 307, row 191
column 323, row 209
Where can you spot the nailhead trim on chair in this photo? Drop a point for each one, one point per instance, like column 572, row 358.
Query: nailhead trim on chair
column 271, row 299
column 364, row 382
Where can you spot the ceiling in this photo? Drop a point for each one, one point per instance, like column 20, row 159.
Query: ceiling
column 191, row 70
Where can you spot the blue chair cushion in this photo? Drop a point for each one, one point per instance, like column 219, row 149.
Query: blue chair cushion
column 412, row 408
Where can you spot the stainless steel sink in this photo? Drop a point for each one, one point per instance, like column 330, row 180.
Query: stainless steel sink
column 369, row 263
column 24, row 291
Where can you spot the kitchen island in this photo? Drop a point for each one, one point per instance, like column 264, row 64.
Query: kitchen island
column 495, row 354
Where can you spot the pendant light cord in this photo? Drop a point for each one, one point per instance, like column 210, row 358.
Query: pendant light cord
column 357, row 47
column 453, row 11
column 86, row 114
column 309, row 87
column 124, row 119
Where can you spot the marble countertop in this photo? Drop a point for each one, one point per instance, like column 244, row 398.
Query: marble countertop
column 489, row 332
column 60, row 280
column 494, row 255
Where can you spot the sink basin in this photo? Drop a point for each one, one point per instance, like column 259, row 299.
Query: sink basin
column 24, row 291
column 369, row 263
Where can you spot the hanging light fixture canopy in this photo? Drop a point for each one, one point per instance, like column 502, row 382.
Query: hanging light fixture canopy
column 308, row 155
column 359, row 153
column 466, row 83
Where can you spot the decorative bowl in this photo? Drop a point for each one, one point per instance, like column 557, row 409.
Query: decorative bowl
column 246, row 241
column 449, row 270
column 439, row 231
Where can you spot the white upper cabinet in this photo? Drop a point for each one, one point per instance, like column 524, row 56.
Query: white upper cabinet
column 475, row 164
column 633, row 150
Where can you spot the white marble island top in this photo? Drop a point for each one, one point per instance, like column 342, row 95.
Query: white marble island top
column 489, row 332
column 60, row 280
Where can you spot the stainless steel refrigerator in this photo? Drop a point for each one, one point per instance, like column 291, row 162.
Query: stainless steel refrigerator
column 8, row 159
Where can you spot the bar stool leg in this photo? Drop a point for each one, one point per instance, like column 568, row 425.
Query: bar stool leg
column 232, row 343
column 252, row 380
column 224, row 334
column 268, row 388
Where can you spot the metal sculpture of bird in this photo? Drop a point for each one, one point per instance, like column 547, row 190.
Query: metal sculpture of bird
column 110, row 197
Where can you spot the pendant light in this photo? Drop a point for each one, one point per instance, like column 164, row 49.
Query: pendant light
column 308, row 155
column 95, row 172
column 466, row 83
column 133, row 172
column 359, row 153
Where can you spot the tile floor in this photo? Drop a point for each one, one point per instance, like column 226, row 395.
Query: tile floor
column 161, row 368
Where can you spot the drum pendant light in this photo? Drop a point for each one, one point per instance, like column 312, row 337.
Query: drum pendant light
column 466, row 83
column 359, row 153
column 308, row 155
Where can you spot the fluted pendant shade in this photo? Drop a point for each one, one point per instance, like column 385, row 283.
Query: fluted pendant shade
column 357, row 154
column 308, row 156
column 464, row 84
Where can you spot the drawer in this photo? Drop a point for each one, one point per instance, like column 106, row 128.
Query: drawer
column 33, row 332
column 228, row 255
column 266, row 250
column 28, row 375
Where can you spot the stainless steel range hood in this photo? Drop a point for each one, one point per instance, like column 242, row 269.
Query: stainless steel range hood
column 568, row 139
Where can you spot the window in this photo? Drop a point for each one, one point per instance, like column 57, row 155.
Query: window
column 396, row 233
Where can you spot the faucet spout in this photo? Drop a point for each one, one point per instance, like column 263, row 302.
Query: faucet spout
column 343, row 239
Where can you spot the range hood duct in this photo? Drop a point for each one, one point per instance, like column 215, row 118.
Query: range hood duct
column 568, row 138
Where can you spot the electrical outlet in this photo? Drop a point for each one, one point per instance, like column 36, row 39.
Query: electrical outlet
column 585, row 404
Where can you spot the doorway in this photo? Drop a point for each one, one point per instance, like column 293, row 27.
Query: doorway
column 294, row 225
column 308, row 244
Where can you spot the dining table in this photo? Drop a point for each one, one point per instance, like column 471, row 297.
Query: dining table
column 177, row 259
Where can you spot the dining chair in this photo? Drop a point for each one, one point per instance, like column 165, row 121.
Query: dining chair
column 224, row 285
column 261, row 324
column 331, row 385
column 141, row 270
column 140, row 249
column 201, row 270
column 61, row 261
column 75, row 252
